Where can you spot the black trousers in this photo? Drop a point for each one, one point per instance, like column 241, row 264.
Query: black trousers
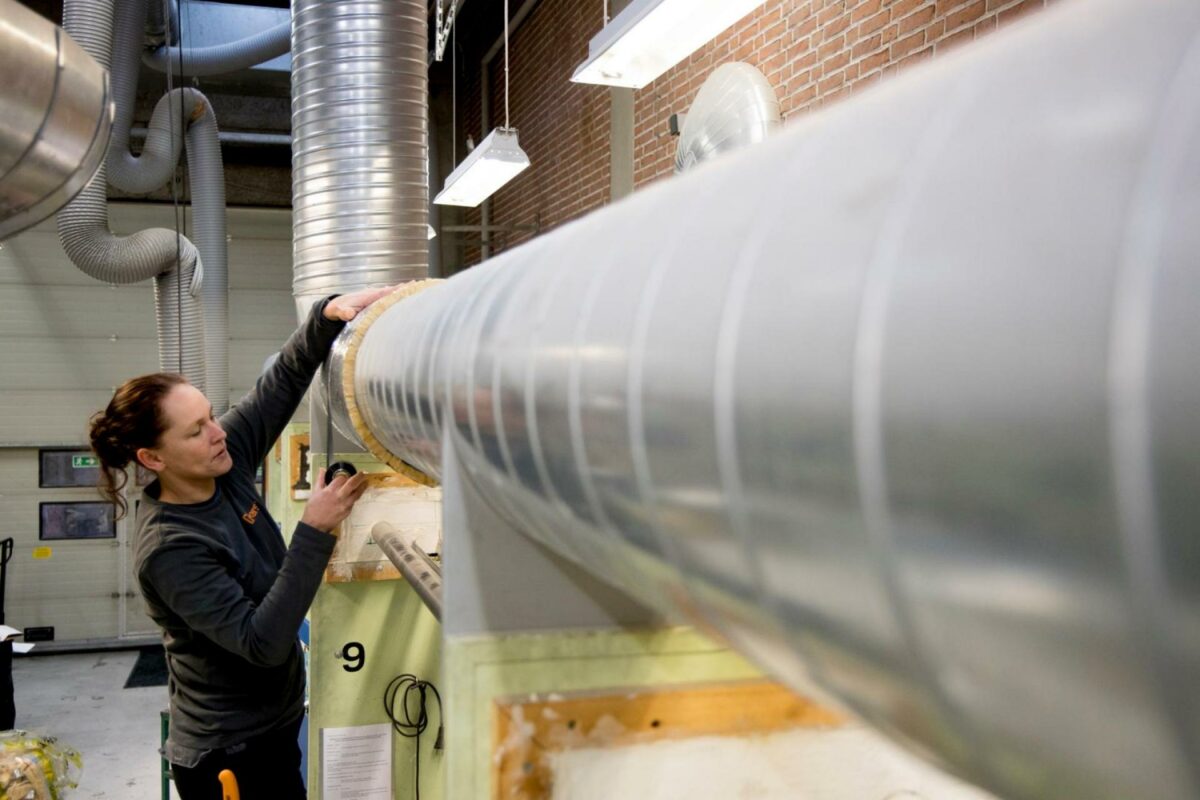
column 266, row 767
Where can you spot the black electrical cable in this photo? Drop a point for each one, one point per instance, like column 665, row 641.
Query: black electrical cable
column 408, row 727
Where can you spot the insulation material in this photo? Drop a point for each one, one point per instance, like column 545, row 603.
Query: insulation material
column 413, row 510
column 840, row 764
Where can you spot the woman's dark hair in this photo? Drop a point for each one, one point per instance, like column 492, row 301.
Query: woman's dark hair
column 133, row 420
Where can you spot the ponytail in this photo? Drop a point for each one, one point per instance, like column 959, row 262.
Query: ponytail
column 132, row 420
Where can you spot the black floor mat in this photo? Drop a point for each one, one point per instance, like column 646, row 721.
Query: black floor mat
column 150, row 669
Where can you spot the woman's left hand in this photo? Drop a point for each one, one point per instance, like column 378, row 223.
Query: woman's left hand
column 346, row 307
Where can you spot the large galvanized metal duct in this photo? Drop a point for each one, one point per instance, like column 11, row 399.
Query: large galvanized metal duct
column 360, row 180
column 57, row 114
column 905, row 401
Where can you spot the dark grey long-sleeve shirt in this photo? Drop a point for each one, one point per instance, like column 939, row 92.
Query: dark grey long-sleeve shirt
column 218, row 579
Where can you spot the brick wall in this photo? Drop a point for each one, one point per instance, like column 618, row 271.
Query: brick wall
column 564, row 126
column 813, row 52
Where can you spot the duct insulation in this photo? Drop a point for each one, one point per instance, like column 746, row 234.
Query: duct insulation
column 904, row 401
column 359, row 153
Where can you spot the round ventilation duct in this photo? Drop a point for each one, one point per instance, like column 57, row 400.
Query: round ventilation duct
column 735, row 107
column 57, row 115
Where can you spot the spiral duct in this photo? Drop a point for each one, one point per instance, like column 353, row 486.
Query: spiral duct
column 359, row 145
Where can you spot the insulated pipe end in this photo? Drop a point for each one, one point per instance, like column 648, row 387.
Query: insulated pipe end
column 354, row 335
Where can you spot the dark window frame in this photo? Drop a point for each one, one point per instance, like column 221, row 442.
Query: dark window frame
column 42, row 537
column 42, row 451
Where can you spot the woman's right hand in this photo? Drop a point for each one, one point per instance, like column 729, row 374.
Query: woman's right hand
column 329, row 505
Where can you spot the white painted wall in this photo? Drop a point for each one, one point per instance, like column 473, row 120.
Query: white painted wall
column 66, row 341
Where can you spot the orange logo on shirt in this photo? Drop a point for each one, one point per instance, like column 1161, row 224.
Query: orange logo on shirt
column 251, row 515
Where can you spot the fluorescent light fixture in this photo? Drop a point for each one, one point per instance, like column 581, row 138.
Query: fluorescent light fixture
column 496, row 161
column 651, row 36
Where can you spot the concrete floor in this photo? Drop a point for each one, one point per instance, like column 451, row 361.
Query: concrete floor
column 79, row 698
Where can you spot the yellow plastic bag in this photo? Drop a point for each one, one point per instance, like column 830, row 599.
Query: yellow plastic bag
column 36, row 767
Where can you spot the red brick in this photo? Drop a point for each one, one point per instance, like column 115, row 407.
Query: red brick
column 985, row 25
column 956, row 39
column 873, row 24
column 1019, row 10
column 965, row 15
column 902, row 8
column 920, row 55
column 873, row 62
column 805, row 96
column 836, row 26
column 829, row 48
column 864, row 10
column 835, row 62
column 866, row 46
column 904, row 46
column 828, row 84
column 918, row 19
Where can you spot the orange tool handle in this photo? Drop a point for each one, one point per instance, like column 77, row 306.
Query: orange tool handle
column 229, row 787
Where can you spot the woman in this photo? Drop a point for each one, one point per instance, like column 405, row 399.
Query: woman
column 212, row 564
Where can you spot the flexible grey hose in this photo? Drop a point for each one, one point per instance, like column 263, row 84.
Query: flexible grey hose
column 153, row 168
column 146, row 172
column 221, row 58
column 208, row 207
column 153, row 253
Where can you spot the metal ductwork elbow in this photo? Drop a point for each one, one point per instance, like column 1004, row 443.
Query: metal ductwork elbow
column 56, row 120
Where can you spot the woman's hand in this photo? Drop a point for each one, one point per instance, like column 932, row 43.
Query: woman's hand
column 329, row 505
column 346, row 307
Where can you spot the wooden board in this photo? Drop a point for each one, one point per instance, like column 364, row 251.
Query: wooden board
column 528, row 731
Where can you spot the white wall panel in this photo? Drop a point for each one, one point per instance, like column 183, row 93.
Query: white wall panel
column 66, row 341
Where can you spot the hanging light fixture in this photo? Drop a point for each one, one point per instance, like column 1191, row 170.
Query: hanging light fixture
column 651, row 36
column 496, row 161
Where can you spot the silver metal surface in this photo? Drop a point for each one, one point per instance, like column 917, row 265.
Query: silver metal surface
column 418, row 569
column 55, row 122
column 735, row 107
column 360, row 172
column 904, row 402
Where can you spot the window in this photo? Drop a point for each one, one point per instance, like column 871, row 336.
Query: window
column 76, row 520
column 63, row 469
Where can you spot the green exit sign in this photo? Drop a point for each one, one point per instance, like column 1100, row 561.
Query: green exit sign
column 82, row 462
